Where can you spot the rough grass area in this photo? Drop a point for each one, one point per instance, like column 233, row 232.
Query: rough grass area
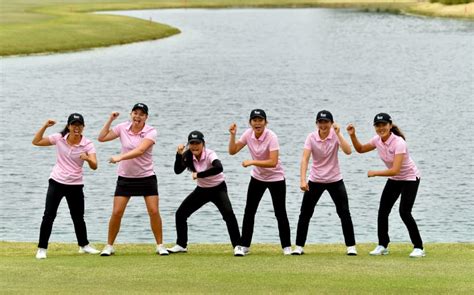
column 211, row 268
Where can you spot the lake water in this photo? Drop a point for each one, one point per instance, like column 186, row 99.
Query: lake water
column 290, row 62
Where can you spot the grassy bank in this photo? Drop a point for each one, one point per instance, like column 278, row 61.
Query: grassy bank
column 447, row 268
column 30, row 26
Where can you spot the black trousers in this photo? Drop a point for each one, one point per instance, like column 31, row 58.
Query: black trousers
column 338, row 194
column 392, row 190
column 198, row 198
column 255, row 193
column 75, row 201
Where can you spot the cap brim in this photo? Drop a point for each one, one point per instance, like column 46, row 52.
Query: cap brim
column 195, row 140
column 76, row 121
column 381, row 121
column 145, row 111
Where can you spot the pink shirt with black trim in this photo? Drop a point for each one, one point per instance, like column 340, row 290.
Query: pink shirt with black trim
column 325, row 166
column 68, row 167
column 203, row 164
column 387, row 150
column 260, row 149
column 141, row 166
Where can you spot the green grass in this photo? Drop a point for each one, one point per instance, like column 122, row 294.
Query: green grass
column 447, row 269
column 31, row 26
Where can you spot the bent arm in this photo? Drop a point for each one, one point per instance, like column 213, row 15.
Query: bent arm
column 271, row 162
column 361, row 148
column 179, row 166
column 136, row 152
column 395, row 170
column 345, row 146
column 234, row 146
column 39, row 139
column 214, row 170
column 91, row 159
column 107, row 134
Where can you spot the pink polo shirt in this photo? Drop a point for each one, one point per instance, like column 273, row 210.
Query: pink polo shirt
column 203, row 164
column 387, row 151
column 141, row 166
column 68, row 167
column 260, row 149
column 325, row 167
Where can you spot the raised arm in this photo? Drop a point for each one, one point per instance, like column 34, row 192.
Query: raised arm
column 39, row 139
column 234, row 146
column 107, row 134
column 179, row 166
column 360, row 148
column 345, row 146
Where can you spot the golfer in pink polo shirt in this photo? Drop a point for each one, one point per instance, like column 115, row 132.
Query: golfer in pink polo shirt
column 136, row 176
column 72, row 150
column 404, row 179
column 266, row 174
column 323, row 146
column 207, row 171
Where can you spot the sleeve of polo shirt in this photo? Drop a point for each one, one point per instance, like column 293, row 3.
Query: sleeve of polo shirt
column 243, row 138
column 116, row 129
column 307, row 143
column 274, row 145
column 53, row 138
column 400, row 147
column 151, row 135
column 90, row 148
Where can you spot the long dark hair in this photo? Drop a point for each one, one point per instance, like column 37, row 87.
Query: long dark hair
column 65, row 131
column 187, row 161
column 395, row 130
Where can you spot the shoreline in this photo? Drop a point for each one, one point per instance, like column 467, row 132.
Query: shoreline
column 74, row 27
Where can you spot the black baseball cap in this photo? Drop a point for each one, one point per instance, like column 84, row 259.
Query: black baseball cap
column 382, row 118
column 258, row 113
column 324, row 115
column 75, row 118
column 141, row 106
column 195, row 136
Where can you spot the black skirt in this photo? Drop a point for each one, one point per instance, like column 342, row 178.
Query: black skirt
column 129, row 187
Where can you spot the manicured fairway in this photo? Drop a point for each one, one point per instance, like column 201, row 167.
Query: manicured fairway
column 31, row 26
column 447, row 269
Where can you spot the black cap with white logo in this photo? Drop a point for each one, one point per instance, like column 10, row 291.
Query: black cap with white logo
column 75, row 118
column 258, row 113
column 196, row 136
column 324, row 115
column 382, row 118
column 141, row 106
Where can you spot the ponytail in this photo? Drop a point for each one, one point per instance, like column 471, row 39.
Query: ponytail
column 395, row 130
column 65, row 131
column 187, row 161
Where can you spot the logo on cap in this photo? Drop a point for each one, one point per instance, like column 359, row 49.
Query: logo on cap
column 379, row 117
column 323, row 115
column 194, row 135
